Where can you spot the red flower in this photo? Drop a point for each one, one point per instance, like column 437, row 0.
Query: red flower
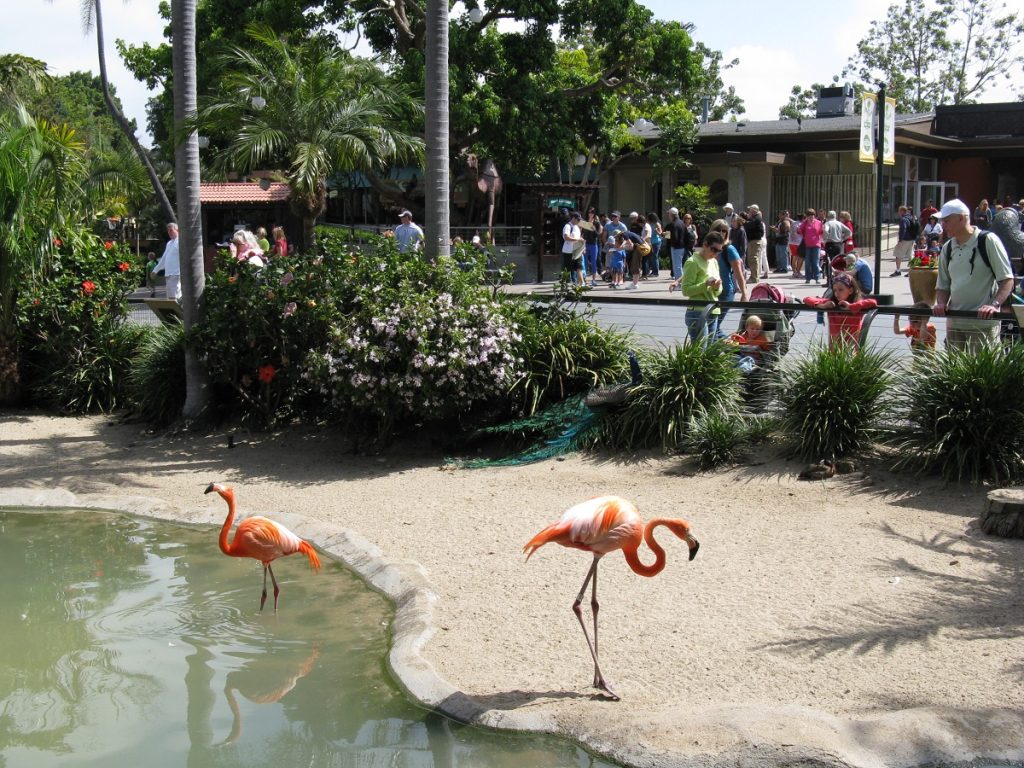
column 267, row 373
column 124, row 266
column 107, row 245
column 925, row 260
column 88, row 287
column 57, row 242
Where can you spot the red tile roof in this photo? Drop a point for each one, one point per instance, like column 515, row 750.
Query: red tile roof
column 243, row 192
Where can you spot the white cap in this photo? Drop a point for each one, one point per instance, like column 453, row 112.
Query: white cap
column 633, row 214
column 954, row 207
column 727, row 207
column 476, row 239
column 403, row 214
column 674, row 211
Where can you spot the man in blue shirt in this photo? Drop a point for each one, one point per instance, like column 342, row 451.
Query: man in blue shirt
column 614, row 225
column 860, row 270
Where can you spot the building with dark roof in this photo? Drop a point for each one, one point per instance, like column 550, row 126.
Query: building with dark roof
column 971, row 152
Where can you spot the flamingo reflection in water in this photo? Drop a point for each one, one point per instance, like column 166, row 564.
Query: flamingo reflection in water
column 263, row 681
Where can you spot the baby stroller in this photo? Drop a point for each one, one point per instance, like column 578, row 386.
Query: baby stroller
column 778, row 327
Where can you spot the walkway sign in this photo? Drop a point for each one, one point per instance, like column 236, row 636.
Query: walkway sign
column 868, row 145
column 868, row 107
column 889, row 142
column 561, row 202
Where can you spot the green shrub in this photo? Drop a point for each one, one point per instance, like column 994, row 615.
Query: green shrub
column 564, row 353
column 679, row 384
column 156, row 384
column 964, row 416
column 261, row 324
column 832, row 401
column 76, row 343
column 716, row 438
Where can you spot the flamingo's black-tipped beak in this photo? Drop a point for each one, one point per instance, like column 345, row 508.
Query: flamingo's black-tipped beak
column 210, row 488
column 694, row 546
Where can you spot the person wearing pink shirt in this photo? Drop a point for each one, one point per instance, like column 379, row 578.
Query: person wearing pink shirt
column 811, row 230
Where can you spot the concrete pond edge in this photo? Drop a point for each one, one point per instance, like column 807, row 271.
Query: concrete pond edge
column 407, row 586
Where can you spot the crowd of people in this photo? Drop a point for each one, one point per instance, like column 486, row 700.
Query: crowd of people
column 817, row 246
column 244, row 245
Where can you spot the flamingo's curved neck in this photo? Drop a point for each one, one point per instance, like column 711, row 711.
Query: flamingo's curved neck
column 679, row 527
column 225, row 547
column 633, row 556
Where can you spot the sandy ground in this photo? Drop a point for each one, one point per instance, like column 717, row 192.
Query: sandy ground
column 861, row 620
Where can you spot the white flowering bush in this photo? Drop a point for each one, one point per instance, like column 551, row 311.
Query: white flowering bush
column 421, row 343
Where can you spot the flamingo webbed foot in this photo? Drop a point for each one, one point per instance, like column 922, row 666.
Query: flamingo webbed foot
column 601, row 685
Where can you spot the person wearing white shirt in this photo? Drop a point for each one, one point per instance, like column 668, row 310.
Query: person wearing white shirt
column 572, row 247
column 170, row 264
column 408, row 235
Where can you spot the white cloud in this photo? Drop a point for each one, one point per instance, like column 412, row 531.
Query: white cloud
column 763, row 79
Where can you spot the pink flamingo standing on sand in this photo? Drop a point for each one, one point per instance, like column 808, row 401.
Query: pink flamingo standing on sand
column 600, row 526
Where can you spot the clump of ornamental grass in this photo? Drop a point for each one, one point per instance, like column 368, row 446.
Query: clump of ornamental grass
column 156, row 383
column 963, row 415
column 679, row 384
column 717, row 438
column 832, row 401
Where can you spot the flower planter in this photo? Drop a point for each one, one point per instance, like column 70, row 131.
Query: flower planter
column 922, row 284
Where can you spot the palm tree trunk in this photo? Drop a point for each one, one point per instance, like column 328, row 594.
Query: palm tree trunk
column 186, row 173
column 438, row 230
column 126, row 127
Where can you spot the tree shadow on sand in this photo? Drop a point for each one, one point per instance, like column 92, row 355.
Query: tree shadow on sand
column 973, row 608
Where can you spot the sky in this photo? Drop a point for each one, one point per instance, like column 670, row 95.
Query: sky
column 772, row 46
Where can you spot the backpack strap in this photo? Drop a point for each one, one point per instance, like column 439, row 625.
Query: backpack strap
column 947, row 250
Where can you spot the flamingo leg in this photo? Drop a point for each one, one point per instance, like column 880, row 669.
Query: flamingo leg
column 594, row 608
column 263, row 597
column 277, row 589
column 599, row 681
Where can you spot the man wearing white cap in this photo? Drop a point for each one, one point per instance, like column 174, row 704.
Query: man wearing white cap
column 408, row 235
column 729, row 214
column 974, row 275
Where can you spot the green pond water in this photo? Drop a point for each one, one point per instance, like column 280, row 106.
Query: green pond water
column 127, row 642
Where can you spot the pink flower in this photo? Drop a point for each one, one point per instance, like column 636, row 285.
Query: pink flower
column 289, row 308
column 286, row 278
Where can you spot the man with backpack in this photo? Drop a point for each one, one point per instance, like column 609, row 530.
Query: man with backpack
column 974, row 276
column 909, row 229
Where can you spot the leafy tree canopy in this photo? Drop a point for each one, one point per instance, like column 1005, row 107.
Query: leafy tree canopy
column 941, row 52
column 518, row 94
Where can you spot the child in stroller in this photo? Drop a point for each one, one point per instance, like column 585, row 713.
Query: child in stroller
column 776, row 331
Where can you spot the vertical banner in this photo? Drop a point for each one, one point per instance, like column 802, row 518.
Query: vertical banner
column 868, row 105
column 889, row 142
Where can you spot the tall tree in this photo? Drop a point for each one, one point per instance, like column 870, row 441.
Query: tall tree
column 20, row 75
column 438, row 196
column 502, row 101
column 41, row 170
column 944, row 52
column 92, row 15
column 308, row 109
column 186, row 165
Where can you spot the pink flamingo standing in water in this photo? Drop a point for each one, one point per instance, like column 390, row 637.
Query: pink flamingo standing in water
column 261, row 539
column 600, row 526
